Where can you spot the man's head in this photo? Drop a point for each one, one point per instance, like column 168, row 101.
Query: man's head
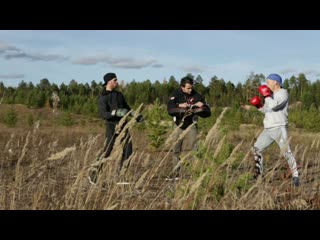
column 186, row 84
column 274, row 81
column 110, row 80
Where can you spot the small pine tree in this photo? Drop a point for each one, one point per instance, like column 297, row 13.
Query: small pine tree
column 67, row 119
column 11, row 118
column 41, row 99
column 155, row 126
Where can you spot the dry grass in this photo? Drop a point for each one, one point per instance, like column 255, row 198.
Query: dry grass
column 48, row 169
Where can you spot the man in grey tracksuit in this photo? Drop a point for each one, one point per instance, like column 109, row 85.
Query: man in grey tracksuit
column 275, row 124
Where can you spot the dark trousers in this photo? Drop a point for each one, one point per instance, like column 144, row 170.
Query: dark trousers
column 111, row 138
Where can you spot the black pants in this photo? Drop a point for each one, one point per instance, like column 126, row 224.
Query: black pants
column 111, row 138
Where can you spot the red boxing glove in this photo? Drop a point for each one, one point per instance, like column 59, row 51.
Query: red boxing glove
column 264, row 91
column 256, row 101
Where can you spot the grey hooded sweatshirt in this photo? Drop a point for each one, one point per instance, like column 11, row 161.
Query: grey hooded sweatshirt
column 276, row 109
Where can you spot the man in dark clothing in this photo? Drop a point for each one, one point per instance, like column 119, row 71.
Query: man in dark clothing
column 112, row 107
column 185, row 105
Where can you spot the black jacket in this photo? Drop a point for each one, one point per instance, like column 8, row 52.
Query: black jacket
column 180, row 97
column 109, row 101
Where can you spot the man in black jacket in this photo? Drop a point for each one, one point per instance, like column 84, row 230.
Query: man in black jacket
column 112, row 107
column 185, row 105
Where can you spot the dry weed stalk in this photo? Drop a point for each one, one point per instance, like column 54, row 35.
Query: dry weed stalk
column 61, row 154
column 183, row 202
column 213, row 132
column 19, row 174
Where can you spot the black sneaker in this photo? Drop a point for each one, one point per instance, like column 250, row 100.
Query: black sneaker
column 258, row 169
column 296, row 181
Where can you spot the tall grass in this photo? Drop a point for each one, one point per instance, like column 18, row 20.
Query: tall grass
column 43, row 171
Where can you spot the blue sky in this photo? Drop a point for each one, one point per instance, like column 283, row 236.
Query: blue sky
column 63, row 55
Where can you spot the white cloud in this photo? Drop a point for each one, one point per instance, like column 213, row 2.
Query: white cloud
column 35, row 57
column 91, row 60
column 119, row 62
column 7, row 48
column 12, row 76
column 11, row 52
column 193, row 68
column 288, row 71
column 157, row 65
column 315, row 72
column 131, row 63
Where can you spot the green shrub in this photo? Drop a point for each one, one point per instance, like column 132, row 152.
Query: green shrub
column 67, row 119
column 157, row 123
column 224, row 153
column 242, row 184
column 10, row 118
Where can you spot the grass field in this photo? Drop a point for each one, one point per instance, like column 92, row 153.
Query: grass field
column 45, row 166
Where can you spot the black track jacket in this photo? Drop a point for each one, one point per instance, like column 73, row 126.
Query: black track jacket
column 109, row 101
column 180, row 97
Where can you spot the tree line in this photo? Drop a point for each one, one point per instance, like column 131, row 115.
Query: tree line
column 82, row 98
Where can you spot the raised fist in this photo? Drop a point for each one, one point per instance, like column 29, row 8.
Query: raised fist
column 264, row 91
column 120, row 112
column 256, row 101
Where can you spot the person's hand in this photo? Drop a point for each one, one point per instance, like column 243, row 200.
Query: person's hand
column 256, row 101
column 119, row 112
column 188, row 112
column 264, row 91
column 246, row 107
column 183, row 105
column 198, row 104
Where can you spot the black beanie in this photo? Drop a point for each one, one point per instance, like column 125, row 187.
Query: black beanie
column 108, row 77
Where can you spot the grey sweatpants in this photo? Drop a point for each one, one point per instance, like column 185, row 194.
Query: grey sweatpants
column 187, row 143
column 280, row 135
